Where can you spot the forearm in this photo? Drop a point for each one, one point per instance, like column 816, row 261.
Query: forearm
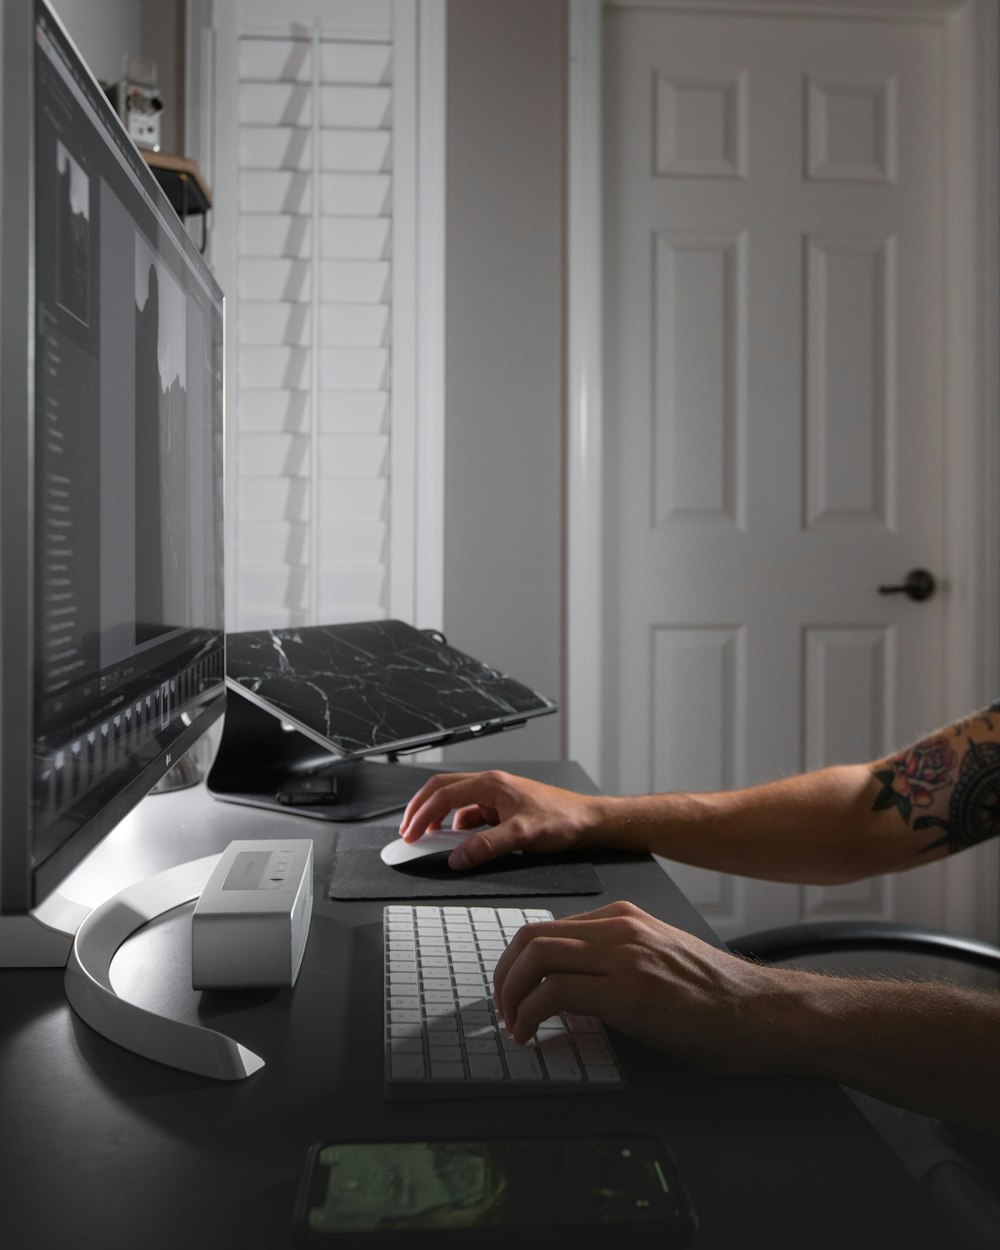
column 928, row 1047
column 819, row 828
column 836, row 824
column 939, row 795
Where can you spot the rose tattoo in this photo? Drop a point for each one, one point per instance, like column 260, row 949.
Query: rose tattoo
column 914, row 776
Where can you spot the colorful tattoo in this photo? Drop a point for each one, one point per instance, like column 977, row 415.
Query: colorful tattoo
column 974, row 807
column 912, row 778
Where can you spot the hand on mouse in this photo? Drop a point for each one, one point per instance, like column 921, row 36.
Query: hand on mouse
column 521, row 815
column 659, row 984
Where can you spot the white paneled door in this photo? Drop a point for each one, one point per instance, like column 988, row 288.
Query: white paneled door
column 774, row 411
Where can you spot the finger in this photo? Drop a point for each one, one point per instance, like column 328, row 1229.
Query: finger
column 589, row 927
column 537, row 959
column 475, row 816
column 429, row 787
column 479, row 848
column 583, row 924
column 435, row 799
column 582, row 993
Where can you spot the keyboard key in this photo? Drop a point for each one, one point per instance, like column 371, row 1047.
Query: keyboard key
column 560, row 1064
column 486, row 1068
column 445, row 1054
column 447, row 1071
column 407, row 1046
column 479, row 1003
column 514, row 1047
column 481, row 1045
column 411, row 1029
column 475, row 1032
column 593, row 1054
column 408, row 1068
column 522, row 1064
column 602, row 1072
column 443, row 1024
column 470, row 1016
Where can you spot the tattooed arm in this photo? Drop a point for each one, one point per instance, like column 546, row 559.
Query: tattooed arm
column 833, row 825
column 949, row 782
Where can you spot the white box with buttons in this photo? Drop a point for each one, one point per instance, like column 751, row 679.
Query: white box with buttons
column 251, row 922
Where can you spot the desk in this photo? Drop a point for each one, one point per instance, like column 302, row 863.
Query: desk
column 99, row 1148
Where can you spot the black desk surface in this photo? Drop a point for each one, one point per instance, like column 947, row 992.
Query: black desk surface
column 101, row 1148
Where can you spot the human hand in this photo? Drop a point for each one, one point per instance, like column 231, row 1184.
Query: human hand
column 654, row 982
column 521, row 815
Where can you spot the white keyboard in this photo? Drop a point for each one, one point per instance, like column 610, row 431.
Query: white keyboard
column 442, row 1034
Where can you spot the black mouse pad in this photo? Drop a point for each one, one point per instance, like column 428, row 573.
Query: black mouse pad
column 358, row 872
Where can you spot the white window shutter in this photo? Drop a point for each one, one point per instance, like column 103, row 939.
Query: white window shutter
column 316, row 230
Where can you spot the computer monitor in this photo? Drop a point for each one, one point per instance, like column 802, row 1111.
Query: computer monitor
column 112, row 656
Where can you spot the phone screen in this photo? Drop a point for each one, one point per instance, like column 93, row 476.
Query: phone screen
column 531, row 1183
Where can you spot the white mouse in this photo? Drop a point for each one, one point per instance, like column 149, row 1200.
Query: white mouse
column 398, row 853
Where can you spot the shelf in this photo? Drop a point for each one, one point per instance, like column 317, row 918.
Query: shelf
column 182, row 181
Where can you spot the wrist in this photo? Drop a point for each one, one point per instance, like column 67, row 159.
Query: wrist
column 677, row 825
column 619, row 822
column 792, row 1031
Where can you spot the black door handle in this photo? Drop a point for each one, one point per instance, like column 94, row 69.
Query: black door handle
column 918, row 586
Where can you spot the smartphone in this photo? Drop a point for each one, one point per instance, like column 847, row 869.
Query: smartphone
column 599, row 1190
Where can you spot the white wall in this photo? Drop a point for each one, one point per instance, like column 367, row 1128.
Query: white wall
column 105, row 31
column 504, row 472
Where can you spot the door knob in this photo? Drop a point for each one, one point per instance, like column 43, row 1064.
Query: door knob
column 918, row 586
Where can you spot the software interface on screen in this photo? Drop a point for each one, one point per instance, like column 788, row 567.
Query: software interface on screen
column 128, row 611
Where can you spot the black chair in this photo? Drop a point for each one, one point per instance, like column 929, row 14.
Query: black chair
column 825, row 937
column 941, row 1158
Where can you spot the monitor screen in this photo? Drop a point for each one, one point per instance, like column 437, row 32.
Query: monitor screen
column 114, row 539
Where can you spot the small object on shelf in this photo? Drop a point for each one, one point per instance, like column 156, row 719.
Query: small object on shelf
column 138, row 102
column 185, row 187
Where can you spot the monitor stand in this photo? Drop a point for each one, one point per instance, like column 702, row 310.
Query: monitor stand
column 191, row 1047
column 260, row 757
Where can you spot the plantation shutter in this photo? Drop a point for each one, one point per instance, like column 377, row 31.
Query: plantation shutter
column 316, row 182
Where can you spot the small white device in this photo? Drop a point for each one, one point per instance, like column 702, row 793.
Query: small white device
column 398, row 852
column 251, row 922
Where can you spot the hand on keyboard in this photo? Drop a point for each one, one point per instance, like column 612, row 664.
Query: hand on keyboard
column 442, row 1033
column 642, row 976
